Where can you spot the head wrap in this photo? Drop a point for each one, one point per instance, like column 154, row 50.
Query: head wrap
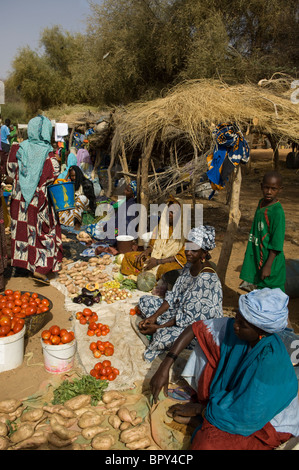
column 32, row 154
column 133, row 186
column 83, row 157
column 71, row 161
column 203, row 236
column 265, row 308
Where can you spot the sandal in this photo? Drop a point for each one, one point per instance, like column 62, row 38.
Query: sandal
column 44, row 280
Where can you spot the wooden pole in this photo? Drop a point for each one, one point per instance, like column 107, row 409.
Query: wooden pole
column 144, row 186
column 233, row 223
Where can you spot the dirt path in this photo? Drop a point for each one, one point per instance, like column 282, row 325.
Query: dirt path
column 31, row 376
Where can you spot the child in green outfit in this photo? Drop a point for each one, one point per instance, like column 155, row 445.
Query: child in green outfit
column 264, row 261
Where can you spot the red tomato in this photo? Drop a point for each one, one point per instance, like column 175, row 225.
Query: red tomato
column 83, row 320
column 45, row 302
column 94, row 373
column 16, row 310
column 54, row 330
column 5, row 321
column 98, row 366
column 46, row 334
column 92, row 326
column 97, row 354
column 109, row 351
column 115, row 371
column 63, row 331
column 18, row 302
column 108, row 370
column 111, row 377
column 8, row 292
column 7, row 311
column 106, row 363
column 90, row 332
column 93, row 346
column 18, row 327
column 87, row 312
column 34, row 295
column 66, row 338
column 55, row 339
column 4, row 330
column 132, row 311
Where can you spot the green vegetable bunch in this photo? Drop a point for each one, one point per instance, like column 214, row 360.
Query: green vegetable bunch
column 87, row 385
column 129, row 284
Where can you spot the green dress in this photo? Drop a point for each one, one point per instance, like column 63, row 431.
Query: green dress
column 267, row 233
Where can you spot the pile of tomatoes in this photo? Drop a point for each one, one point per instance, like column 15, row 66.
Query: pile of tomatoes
column 18, row 305
column 10, row 326
column 56, row 335
column 87, row 316
column 104, row 371
column 101, row 348
column 97, row 329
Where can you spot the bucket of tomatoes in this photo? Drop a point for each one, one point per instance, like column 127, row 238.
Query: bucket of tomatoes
column 59, row 348
column 31, row 307
column 12, row 332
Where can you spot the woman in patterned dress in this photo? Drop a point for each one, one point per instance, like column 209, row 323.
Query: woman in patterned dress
column 35, row 229
column 196, row 295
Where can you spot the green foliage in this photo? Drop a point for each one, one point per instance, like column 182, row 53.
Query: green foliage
column 134, row 49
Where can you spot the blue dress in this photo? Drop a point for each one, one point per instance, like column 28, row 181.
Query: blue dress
column 192, row 298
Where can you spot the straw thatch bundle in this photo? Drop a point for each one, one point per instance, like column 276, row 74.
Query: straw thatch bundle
column 192, row 109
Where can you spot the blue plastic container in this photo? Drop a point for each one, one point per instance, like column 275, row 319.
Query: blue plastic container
column 62, row 196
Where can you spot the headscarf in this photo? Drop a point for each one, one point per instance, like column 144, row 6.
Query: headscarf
column 203, row 236
column 32, row 154
column 133, row 186
column 265, row 308
column 71, row 161
column 84, row 162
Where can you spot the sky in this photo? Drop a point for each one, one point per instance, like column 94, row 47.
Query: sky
column 22, row 22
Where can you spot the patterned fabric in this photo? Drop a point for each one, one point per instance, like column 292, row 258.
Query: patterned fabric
column 3, row 249
column 231, row 147
column 191, row 299
column 133, row 186
column 32, row 154
column 203, row 236
column 35, row 233
column 67, row 218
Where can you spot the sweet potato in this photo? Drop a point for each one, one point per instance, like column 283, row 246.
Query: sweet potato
column 125, row 415
column 38, row 439
column 33, row 415
column 66, row 422
column 92, row 431
column 25, row 431
column 89, row 419
column 59, row 443
column 61, row 410
column 133, row 434
column 116, row 403
column 4, row 443
column 104, row 442
column 78, row 402
column 142, row 443
column 114, row 421
column 111, row 395
column 61, row 431
column 124, row 426
column 9, row 406
column 3, row 430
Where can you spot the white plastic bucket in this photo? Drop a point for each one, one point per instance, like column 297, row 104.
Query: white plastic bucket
column 12, row 351
column 59, row 358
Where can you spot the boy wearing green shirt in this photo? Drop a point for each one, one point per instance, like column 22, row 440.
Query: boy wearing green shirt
column 264, row 261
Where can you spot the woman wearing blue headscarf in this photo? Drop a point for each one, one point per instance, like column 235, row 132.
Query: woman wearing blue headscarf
column 35, row 229
column 243, row 375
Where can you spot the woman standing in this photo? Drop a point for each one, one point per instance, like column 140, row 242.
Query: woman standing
column 35, row 229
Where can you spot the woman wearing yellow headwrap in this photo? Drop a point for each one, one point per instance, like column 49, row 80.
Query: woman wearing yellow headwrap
column 164, row 252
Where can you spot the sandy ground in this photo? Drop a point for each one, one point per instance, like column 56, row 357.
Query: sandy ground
column 32, row 376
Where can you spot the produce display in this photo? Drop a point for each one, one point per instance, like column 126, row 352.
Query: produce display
column 57, row 336
column 101, row 348
column 146, row 281
column 21, row 305
column 104, row 371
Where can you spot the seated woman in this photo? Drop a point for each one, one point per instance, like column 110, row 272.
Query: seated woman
column 164, row 253
column 196, row 295
column 101, row 232
column 84, row 199
column 86, row 166
column 246, row 386
column 71, row 160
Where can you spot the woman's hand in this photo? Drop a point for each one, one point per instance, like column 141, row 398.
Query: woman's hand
column 150, row 264
column 160, row 380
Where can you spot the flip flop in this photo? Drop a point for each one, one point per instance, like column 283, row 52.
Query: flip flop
column 43, row 281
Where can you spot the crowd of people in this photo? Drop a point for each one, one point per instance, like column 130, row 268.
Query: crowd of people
column 244, row 381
